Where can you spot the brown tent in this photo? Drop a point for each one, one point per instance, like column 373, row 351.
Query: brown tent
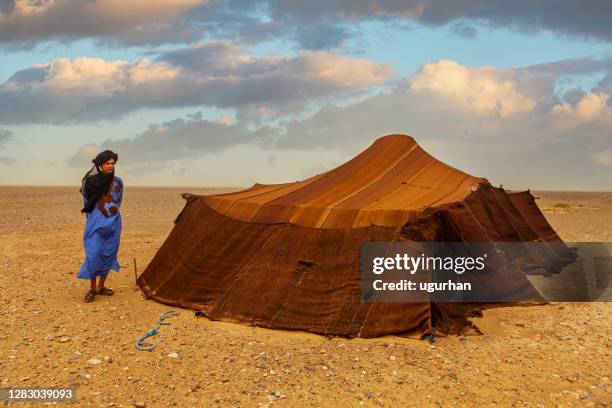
column 287, row 255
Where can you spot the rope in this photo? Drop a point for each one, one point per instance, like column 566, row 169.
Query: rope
column 146, row 345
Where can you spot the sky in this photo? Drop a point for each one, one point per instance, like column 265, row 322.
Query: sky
column 232, row 92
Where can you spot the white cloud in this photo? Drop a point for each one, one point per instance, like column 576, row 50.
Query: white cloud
column 591, row 106
column 340, row 71
column 213, row 74
column 95, row 77
column 484, row 91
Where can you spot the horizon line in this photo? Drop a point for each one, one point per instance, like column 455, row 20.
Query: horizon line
column 245, row 187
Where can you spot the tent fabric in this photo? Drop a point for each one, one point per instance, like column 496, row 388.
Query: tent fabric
column 287, row 256
column 384, row 185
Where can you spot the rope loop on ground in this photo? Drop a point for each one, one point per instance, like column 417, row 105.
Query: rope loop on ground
column 143, row 345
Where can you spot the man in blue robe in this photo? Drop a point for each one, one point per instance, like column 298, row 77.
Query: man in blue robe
column 102, row 195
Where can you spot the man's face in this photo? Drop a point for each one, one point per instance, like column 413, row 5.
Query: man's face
column 108, row 166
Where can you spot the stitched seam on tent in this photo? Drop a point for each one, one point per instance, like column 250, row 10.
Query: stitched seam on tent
column 282, row 186
column 477, row 221
column 330, row 207
column 503, row 210
column 307, row 182
column 254, row 195
column 402, row 184
column 540, row 238
column 553, row 234
column 286, row 194
column 526, row 224
column 433, row 203
column 365, row 318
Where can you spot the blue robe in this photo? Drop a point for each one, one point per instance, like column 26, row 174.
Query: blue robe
column 102, row 234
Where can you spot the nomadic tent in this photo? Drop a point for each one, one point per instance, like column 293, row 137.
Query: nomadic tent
column 287, row 256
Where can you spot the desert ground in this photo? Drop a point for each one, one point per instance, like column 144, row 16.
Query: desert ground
column 555, row 355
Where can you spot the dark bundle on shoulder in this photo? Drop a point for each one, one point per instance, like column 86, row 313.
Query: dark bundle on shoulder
column 96, row 183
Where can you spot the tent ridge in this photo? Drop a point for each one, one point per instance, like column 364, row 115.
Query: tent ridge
column 376, row 180
column 383, row 185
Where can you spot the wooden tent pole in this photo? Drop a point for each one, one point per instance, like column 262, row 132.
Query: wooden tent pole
column 135, row 272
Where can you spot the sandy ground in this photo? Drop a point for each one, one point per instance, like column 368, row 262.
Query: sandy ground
column 556, row 355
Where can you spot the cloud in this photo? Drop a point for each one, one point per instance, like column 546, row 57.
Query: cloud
column 26, row 22
column 319, row 24
column 464, row 29
column 592, row 106
column 323, row 25
column 443, row 99
column 587, row 19
column 606, row 82
column 222, row 58
column 88, row 89
column 512, row 125
column 84, row 155
column 7, row 161
column 447, row 99
column 219, row 74
column 5, row 136
column 604, row 157
column 163, row 143
column 483, row 132
column 480, row 90
column 314, row 25
column 506, row 123
column 483, row 117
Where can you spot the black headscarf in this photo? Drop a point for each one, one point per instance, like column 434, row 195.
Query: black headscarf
column 96, row 183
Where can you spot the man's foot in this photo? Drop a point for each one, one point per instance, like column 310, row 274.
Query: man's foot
column 89, row 297
column 106, row 291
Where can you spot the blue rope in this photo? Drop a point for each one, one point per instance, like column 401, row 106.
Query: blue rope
column 146, row 345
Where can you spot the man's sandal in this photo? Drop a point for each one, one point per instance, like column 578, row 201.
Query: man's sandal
column 106, row 291
column 89, row 297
